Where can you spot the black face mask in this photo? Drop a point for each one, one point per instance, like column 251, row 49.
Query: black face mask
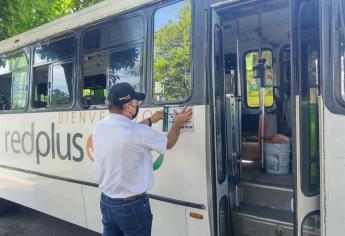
column 136, row 112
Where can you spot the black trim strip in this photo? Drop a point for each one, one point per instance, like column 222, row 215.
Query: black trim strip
column 177, row 202
column 152, row 196
column 50, row 176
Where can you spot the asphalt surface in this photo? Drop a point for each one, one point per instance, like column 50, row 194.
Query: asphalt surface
column 22, row 221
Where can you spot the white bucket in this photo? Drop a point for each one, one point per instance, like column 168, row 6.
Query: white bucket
column 277, row 158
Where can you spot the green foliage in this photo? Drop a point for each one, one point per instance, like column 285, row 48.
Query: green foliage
column 17, row 16
column 172, row 57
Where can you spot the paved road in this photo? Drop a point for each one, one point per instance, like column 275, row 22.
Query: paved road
column 22, row 221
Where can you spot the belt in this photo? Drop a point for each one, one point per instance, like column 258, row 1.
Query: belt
column 135, row 197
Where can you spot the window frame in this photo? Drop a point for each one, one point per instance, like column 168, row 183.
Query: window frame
column 27, row 51
column 338, row 53
column 53, row 40
column 51, row 82
column 150, row 81
column 245, row 95
column 108, row 50
column 50, row 64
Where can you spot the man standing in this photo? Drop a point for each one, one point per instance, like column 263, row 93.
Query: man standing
column 123, row 162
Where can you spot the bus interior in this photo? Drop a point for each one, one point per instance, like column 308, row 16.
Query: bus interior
column 262, row 200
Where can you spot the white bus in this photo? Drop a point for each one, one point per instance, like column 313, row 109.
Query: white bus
column 254, row 72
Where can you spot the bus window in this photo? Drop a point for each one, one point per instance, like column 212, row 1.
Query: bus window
column 308, row 41
column 113, row 55
column 5, row 91
column 172, row 53
column 125, row 66
column 253, row 84
column 53, row 51
column 40, row 84
column 14, row 82
column 20, row 84
column 52, row 81
column 95, row 74
column 340, row 29
column 62, row 84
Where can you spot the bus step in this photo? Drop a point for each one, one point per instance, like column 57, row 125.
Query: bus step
column 262, row 221
column 262, row 195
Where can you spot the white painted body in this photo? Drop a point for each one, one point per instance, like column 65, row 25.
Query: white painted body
column 182, row 176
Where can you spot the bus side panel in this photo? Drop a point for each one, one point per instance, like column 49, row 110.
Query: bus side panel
column 333, row 175
column 198, row 227
column 43, row 194
column 92, row 198
column 168, row 219
column 182, row 175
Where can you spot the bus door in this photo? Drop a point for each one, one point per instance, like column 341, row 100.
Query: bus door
column 333, row 120
column 306, row 88
column 218, row 115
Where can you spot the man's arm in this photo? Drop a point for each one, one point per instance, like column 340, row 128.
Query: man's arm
column 158, row 115
column 173, row 135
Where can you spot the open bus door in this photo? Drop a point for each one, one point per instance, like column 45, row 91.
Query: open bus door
column 333, row 94
column 305, row 71
column 221, row 202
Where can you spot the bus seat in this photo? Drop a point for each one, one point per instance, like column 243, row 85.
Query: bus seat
column 94, row 100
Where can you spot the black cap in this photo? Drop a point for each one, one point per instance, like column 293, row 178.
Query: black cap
column 123, row 93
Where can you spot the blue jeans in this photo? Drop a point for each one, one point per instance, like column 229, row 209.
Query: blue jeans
column 126, row 218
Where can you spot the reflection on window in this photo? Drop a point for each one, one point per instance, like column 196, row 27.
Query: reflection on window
column 55, row 50
column 94, row 74
column 62, row 84
column 125, row 66
column 219, row 105
column 253, row 84
column 172, row 52
column 20, row 84
column 112, row 33
column 14, row 82
column 311, row 225
column 341, row 29
column 40, row 86
column 105, row 61
column 308, row 36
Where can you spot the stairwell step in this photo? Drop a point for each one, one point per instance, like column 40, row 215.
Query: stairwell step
column 262, row 221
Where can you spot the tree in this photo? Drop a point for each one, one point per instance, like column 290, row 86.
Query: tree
column 17, row 16
column 172, row 59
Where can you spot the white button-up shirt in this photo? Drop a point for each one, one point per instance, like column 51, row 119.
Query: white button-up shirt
column 122, row 155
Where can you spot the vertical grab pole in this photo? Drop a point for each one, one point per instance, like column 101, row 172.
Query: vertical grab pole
column 262, row 75
column 239, row 164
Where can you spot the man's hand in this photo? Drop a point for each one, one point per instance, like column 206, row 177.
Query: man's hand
column 179, row 120
column 183, row 117
column 157, row 116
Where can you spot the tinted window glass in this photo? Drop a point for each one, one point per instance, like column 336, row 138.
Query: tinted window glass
column 253, row 84
column 172, row 52
column 224, row 216
column 108, row 55
column 57, row 50
column 220, row 105
column 14, row 82
column 40, row 86
column 20, row 84
column 62, row 84
column 4, row 67
column 94, row 82
column 114, row 33
column 311, row 225
column 340, row 30
column 308, row 36
column 5, row 91
column 125, row 66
